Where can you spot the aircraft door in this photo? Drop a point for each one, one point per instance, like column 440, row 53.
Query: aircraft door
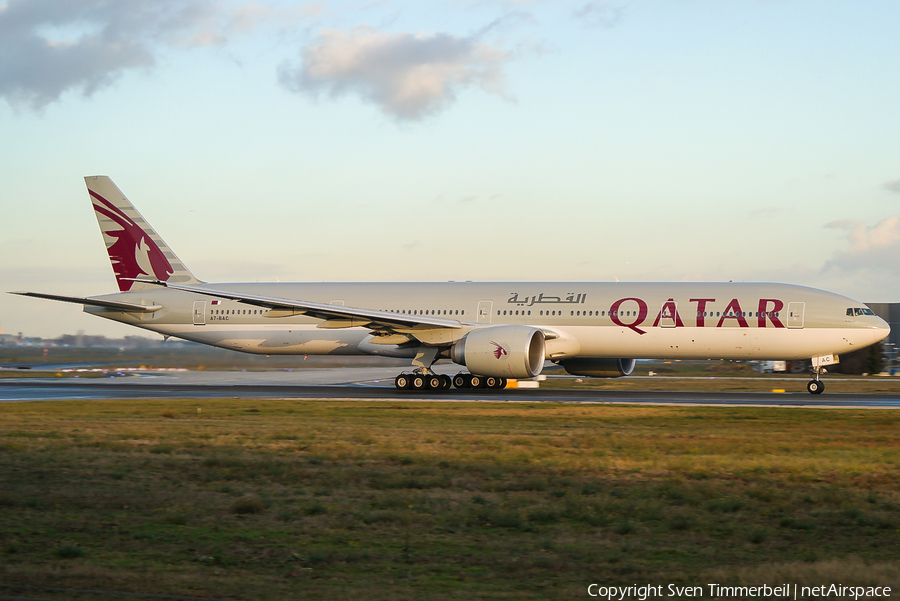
column 199, row 313
column 484, row 311
column 795, row 315
column 667, row 314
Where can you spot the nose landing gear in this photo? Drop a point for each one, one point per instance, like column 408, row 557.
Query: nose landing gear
column 816, row 386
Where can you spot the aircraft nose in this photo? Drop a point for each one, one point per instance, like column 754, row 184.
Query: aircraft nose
column 881, row 331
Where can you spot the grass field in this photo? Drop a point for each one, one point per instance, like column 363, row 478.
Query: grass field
column 369, row 500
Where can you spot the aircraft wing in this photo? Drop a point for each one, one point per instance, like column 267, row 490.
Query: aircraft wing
column 335, row 316
column 95, row 302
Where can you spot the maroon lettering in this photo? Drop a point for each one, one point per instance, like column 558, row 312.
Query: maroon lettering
column 669, row 311
column 641, row 314
column 733, row 311
column 765, row 311
column 701, row 309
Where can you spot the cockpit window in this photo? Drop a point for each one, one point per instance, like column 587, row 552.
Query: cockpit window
column 859, row 311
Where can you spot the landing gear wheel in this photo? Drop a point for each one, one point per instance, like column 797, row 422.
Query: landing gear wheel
column 434, row 382
column 403, row 382
column 446, row 382
column 461, row 381
column 815, row 386
column 494, row 383
column 418, row 382
column 475, row 381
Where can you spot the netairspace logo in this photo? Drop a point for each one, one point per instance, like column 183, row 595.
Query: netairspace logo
column 783, row 591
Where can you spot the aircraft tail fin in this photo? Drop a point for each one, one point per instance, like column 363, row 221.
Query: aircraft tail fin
column 135, row 249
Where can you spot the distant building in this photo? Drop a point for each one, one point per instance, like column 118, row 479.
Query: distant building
column 890, row 312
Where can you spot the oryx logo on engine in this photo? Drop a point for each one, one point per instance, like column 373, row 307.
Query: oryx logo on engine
column 499, row 351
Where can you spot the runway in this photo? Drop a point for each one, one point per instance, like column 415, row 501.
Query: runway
column 376, row 384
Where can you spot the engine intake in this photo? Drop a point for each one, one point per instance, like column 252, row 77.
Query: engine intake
column 501, row 351
column 598, row 368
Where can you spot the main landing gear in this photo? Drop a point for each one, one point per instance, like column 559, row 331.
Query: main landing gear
column 433, row 381
column 423, row 378
column 462, row 380
column 816, row 386
column 417, row 381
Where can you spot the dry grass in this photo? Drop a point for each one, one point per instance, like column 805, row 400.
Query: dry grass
column 851, row 571
column 369, row 500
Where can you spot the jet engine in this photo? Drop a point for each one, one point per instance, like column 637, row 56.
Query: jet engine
column 598, row 368
column 501, row 351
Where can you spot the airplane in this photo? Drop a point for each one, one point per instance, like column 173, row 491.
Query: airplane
column 498, row 330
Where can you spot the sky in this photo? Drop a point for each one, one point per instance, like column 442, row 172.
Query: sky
column 383, row 140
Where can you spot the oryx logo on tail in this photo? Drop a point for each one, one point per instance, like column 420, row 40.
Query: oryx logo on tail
column 132, row 252
column 135, row 249
column 499, row 351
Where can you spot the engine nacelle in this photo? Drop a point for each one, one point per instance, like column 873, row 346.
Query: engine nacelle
column 598, row 368
column 501, row 351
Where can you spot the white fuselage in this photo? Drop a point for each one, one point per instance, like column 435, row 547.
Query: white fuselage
column 600, row 320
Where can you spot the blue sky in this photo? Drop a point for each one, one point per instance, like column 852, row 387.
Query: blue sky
column 695, row 140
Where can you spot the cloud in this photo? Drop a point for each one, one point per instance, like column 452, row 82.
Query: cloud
column 893, row 186
column 408, row 76
column 872, row 248
column 48, row 47
column 767, row 212
column 603, row 13
column 843, row 224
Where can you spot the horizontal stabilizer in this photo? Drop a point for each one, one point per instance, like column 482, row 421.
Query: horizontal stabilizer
column 95, row 302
